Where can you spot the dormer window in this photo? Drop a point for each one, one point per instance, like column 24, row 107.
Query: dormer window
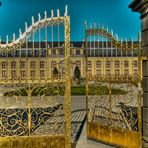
column 77, row 52
column 13, row 64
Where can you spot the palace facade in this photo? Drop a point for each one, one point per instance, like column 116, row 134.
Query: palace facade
column 39, row 63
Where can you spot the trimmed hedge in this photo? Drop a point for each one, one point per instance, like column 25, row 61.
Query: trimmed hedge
column 75, row 90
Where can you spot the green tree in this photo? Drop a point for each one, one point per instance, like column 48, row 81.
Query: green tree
column 55, row 72
column 77, row 73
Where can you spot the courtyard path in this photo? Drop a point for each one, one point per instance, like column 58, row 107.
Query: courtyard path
column 83, row 142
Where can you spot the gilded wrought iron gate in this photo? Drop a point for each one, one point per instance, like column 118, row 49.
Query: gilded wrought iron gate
column 113, row 88
column 35, row 98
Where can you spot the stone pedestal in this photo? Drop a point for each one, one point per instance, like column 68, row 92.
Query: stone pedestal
column 141, row 6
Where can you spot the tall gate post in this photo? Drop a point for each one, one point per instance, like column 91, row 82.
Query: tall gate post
column 67, row 83
column 142, row 7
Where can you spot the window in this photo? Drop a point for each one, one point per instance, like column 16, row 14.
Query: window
column 117, row 72
column 32, row 64
column 98, row 64
column 43, row 52
column 3, row 65
column 135, row 72
column 107, row 64
column 77, row 52
column 126, row 63
column 135, row 64
column 42, row 74
column 13, row 64
column 98, row 72
column 3, row 74
column 53, row 52
column 53, row 64
column 4, row 54
column 89, row 64
column 126, row 72
column 13, row 74
column 36, row 53
column 32, row 73
column 23, row 74
column 61, row 52
column 42, row 64
column 78, row 63
column 62, row 64
column 107, row 71
column 89, row 72
column 117, row 64
column 22, row 64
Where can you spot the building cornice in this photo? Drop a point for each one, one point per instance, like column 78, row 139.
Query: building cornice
column 140, row 6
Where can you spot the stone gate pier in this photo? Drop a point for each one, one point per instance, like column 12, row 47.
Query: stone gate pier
column 141, row 6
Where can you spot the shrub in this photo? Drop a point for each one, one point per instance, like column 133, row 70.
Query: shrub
column 77, row 73
column 55, row 72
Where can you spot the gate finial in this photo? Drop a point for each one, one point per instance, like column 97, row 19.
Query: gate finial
column 112, row 32
column 121, row 40
column 52, row 13
column 94, row 25
column 131, row 41
column 45, row 13
column 32, row 20
column 85, row 23
column 39, row 16
column 7, row 38
column 107, row 28
column 66, row 10
column 20, row 32
column 58, row 13
column 98, row 26
column 102, row 27
column 26, row 26
column 90, row 26
column 13, row 36
column 126, row 42
column 116, row 37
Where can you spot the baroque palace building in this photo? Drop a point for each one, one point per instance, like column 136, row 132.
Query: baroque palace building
column 104, row 61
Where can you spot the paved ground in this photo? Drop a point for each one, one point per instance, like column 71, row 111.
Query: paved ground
column 84, row 143
column 78, row 105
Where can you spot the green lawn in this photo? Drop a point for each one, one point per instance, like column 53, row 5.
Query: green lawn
column 75, row 90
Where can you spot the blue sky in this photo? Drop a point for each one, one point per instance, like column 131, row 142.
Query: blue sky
column 112, row 13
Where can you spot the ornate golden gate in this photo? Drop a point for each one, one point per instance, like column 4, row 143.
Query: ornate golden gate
column 34, row 95
column 113, row 88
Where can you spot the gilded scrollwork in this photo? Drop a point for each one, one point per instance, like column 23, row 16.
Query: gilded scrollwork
column 114, row 95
